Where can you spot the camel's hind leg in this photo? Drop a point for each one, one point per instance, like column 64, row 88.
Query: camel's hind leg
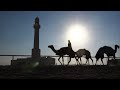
column 92, row 60
column 69, row 61
column 63, row 60
column 86, row 61
column 59, row 60
column 78, row 61
column 102, row 61
column 81, row 60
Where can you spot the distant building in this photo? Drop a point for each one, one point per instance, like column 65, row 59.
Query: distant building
column 36, row 59
column 42, row 61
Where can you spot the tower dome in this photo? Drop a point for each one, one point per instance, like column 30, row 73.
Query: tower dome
column 37, row 20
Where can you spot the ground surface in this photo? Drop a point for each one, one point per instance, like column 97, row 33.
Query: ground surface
column 60, row 72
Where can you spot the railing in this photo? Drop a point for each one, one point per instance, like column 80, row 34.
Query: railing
column 13, row 56
column 42, row 56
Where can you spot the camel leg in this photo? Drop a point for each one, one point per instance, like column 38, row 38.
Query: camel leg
column 102, row 61
column 59, row 60
column 76, row 60
column 86, row 61
column 114, row 57
column 78, row 63
column 108, row 58
column 63, row 60
column 69, row 61
column 92, row 60
column 80, row 60
column 96, row 61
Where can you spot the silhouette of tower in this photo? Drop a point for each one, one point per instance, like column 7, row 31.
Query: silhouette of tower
column 36, row 50
column 36, row 53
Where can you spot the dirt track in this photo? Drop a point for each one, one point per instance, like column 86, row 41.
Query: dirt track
column 61, row 72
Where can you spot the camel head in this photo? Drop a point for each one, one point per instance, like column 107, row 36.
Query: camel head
column 53, row 49
column 116, row 46
column 50, row 46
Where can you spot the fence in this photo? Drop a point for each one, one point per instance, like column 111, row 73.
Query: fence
column 56, row 57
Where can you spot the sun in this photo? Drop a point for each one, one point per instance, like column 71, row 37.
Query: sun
column 77, row 34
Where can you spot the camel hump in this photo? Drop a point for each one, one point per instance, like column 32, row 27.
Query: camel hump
column 81, row 51
column 64, row 48
column 108, row 48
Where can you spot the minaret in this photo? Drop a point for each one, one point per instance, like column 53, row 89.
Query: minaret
column 36, row 50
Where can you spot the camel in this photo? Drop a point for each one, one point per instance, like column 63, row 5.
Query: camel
column 72, row 54
column 63, row 51
column 82, row 52
column 108, row 51
column 100, row 55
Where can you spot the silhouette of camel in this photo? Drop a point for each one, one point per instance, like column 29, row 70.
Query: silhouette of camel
column 72, row 54
column 108, row 51
column 100, row 54
column 82, row 52
column 61, row 52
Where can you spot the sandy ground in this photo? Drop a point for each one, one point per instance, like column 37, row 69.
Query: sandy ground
column 60, row 72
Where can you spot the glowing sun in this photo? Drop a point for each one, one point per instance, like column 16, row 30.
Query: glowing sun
column 77, row 34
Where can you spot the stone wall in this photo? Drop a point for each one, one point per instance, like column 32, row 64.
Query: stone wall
column 42, row 61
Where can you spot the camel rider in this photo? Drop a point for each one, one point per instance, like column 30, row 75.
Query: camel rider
column 69, row 46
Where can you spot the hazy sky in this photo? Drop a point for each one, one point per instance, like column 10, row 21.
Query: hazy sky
column 17, row 32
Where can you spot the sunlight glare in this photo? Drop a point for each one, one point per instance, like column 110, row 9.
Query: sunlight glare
column 77, row 34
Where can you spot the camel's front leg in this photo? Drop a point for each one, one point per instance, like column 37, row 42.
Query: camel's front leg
column 96, row 61
column 77, row 60
column 80, row 60
column 114, row 57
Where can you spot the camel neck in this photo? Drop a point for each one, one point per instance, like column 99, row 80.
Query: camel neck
column 115, row 49
column 53, row 49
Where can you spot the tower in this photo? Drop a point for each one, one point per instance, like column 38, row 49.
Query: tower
column 36, row 50
column 36, row 53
